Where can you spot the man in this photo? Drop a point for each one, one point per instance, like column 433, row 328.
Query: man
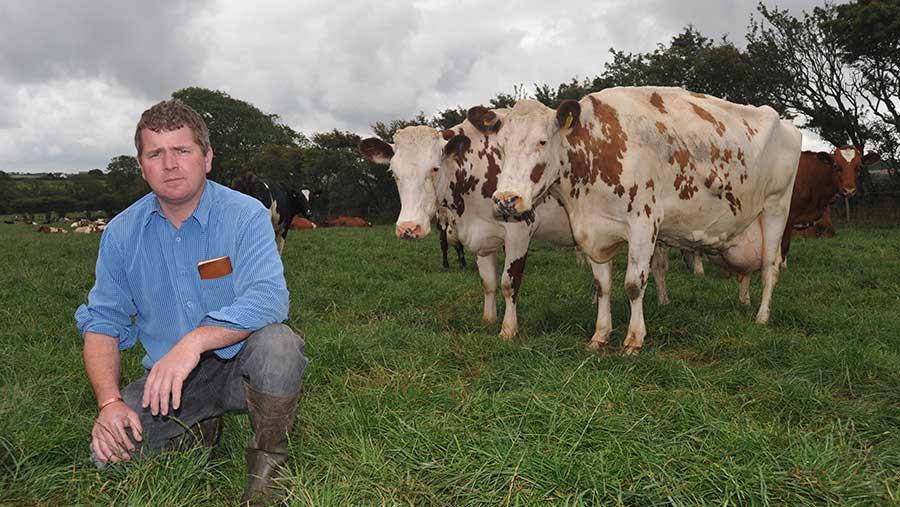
column 192, row 272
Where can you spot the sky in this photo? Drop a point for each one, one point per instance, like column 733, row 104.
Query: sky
column 76, row 76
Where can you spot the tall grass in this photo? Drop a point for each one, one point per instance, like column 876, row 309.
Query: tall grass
column 411, row 400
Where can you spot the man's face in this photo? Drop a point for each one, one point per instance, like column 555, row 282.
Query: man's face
column 174, row 166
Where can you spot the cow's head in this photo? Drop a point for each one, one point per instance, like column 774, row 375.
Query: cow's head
column 847, row 162
column 414, row 159
column 529, row 140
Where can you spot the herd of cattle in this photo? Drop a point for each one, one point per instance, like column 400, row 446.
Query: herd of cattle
column 651, row 167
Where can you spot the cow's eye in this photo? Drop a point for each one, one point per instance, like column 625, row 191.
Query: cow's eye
column 434, row 170
column 542, row 143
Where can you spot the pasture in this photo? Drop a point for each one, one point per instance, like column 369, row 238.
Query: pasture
column 411, row 400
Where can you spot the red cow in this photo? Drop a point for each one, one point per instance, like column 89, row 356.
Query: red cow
column 821, row 179
column 345, row 221
column 302, row 223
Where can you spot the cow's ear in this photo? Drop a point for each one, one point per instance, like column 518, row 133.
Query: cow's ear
column 484, row 119
column 871, row 158
column 825, row 158
column 567, row 114
column 376, row 150
column 457, row 147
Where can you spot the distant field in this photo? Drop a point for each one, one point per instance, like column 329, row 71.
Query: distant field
column 411, row 400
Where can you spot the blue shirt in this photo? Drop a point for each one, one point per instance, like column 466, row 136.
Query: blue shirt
column 148, row 287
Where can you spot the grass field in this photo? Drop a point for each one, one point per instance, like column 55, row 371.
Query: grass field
column 411, row 400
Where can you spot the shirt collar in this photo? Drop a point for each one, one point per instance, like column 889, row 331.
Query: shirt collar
column 201, row 214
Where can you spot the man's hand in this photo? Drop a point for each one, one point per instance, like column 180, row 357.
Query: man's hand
column 168, row 375
column 110, row 440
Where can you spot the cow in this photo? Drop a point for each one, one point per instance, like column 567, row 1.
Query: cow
column 822, row 178
column 345, row 221
column 302, row 223
column 283, row 203
column 454, row 175
column 448, row 237
column 652, row 164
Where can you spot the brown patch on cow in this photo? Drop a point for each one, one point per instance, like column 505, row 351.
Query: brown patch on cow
column 750, row 130
column 685, row 185
column 726, row 155
column 598, row 155
column 537, row 172
column 662, row 128
column 682, row 157
column 654, row 231
column 706, row 116
column 670, row 139
column 492, row 154
column 647, row 210
column 515, row 271
column 459, row 188
column 698, row 95
column 649, row 184
column 740, row 157
column 632, row 193
column 658, row 103
column 733, row 202
column 448, row 134
column 710, row 179
column 714, row 152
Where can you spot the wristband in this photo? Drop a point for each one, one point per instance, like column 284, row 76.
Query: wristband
column 108, row 403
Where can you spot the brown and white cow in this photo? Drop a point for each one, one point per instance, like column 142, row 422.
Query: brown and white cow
column 345, row 221
column 641, row 165
column 454, row 175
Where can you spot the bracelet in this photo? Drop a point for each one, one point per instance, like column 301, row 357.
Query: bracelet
column 108, row 403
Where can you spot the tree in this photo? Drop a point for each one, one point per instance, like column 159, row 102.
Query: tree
column 822, row 88
column 386, row 131
column 449, row 118
column 507, row 100
column 124, row 182
column 237, row 130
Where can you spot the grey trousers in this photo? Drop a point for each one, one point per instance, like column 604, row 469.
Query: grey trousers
column 271, row 362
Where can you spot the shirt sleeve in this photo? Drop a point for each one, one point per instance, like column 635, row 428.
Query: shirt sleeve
column 260, row 289
column 110, row 305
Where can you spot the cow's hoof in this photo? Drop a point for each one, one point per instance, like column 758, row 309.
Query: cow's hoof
column 508, row 335
column 631, row 351
column 600, row 346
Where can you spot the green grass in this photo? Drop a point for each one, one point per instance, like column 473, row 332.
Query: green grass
column 411, row 400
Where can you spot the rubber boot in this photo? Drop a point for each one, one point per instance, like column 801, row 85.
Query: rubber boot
column 271, row 418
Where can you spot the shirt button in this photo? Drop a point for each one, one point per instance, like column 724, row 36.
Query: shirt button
column 183, row 272
column 178, row 239
column 190, row 305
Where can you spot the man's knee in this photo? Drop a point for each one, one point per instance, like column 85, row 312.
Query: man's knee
column 275, row 360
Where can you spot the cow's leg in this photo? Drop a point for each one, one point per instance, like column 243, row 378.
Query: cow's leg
column 460, row 254
column 693, row 261
column 658, row 265
column 773, row 228
column 444, row 262
column 516, row 248
column 640, row 251
column 487, row 269
column 785, row 242
column 744, row 293
column 603, row 283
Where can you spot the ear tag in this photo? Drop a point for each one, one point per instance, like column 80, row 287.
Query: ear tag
column 486, row 123
column 569, row 119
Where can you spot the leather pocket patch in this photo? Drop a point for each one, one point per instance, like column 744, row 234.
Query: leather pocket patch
column 214, row 268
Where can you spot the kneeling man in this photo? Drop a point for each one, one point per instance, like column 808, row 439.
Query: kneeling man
column 191, row 271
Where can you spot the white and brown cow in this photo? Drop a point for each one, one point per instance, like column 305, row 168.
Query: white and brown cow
column 454, row 175
column 641, row 165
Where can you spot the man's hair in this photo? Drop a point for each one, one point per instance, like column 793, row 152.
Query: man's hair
column 170, row 115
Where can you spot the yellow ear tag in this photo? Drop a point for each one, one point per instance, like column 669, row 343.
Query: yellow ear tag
column 487, row 123
column 569, row 119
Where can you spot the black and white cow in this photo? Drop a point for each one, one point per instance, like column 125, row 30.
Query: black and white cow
column 283, row 203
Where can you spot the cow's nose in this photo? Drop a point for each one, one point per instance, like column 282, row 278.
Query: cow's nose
column 409, row 230
column 848, row 192
column 507, row 203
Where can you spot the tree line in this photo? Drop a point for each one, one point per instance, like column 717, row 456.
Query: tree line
column 836, row 69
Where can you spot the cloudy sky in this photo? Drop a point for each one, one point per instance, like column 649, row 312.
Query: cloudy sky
column 75, row 76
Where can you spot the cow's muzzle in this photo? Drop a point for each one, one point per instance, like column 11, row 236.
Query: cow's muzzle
column 848, row 192
column 409, row 230
column 508, row 204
